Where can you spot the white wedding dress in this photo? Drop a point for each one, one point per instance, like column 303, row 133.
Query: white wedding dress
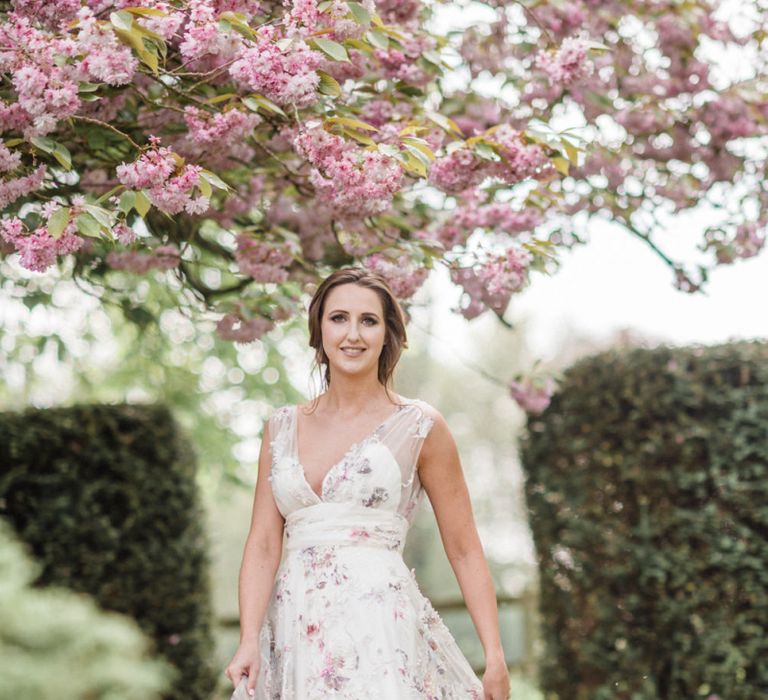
column 346, row 618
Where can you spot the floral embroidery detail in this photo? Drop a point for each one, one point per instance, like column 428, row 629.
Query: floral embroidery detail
column 378, row 495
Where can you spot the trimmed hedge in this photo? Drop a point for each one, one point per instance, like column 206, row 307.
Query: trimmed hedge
column 647, row 489
column 58, row 645
column 106, row 498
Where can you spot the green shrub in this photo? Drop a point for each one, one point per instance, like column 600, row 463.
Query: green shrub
column 106, row 499
column 58, row 645
column 646, row 483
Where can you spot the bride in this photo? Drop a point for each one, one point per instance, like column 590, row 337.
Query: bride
column 328, row 608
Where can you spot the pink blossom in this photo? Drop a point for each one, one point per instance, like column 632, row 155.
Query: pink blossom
column 164, row 257
column 727, row 118
column 222, row 128
column 354, row 182
column 261, row 260
column 519, row 160
column 38, row 250
column 9, row 160
column 48, row 12
column 105, row 58
column 505, row 274
column 284, row 76
column 457, row 171
column 11, row 190
column 533, row 396
column 498, row 216
column 398, row 11
column 234, row 327
column 169, row 185
column 491, row 284
column 402, row 275
column 568, row 65
column 124, row 233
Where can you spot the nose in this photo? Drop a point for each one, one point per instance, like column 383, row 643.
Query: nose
column 353, row 334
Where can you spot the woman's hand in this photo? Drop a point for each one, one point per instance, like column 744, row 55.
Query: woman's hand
column 496, row 680
column 245, row 662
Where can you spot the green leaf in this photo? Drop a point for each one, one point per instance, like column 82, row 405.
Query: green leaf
column 127, row 201
column 332, row 49
column 121, row 20
column 88, row 226
column 205, row 187
column 101, row 215
column 142, row 204
column 444, row 122
column 421, row 145
column 485, row 151
column 561, row 164
column 328, row 84
column 220, row 98
column 596, row 46
column 351, row 123
column 360, row 138
column 145, row 11
column 58, row 222
column 412, row 164
column 61, row 153
column 377, row 39
column 43, row 143
column 389, row 149
column 360, row 14
column 257, row 103
column 215, row 180
column 433, row 57
column 418, row 154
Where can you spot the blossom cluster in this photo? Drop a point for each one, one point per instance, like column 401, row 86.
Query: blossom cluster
column 263, row 261
column 236, row 327
column 532, row 395
column 170, row 186
column 491, row 284
column 138, row 262
column 12, row 189
column 285, row 76
column 354, row 182
column 567, row 65
column 403, row 276
column 462, row 169
column 38, row 249
column 46, row 68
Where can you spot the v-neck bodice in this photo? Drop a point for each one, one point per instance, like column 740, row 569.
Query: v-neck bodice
column 371, row 435
column 377, row 471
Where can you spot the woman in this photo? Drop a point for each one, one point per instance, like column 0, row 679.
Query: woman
column 328, row 609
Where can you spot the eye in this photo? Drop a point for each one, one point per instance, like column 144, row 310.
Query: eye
column 337, row 317
column 369, row 320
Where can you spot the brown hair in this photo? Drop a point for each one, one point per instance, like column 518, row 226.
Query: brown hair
column 395, row 339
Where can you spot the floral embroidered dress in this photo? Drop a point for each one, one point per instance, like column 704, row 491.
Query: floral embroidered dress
column 346, row 618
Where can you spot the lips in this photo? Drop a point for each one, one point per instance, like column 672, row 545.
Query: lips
column 353, row 352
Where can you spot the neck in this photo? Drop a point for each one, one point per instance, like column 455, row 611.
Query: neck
column 352, row 395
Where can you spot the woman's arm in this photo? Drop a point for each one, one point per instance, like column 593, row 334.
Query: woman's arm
column 443, row 479
column 263, row 549
column 261, row 559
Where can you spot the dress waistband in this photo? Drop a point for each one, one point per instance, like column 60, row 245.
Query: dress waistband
column 344, row 524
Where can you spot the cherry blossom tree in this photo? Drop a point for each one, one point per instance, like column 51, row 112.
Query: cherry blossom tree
column 243, row 148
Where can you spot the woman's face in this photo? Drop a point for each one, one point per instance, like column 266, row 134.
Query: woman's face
column 353, row 329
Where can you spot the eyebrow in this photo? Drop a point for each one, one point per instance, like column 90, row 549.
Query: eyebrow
column 344, row 311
